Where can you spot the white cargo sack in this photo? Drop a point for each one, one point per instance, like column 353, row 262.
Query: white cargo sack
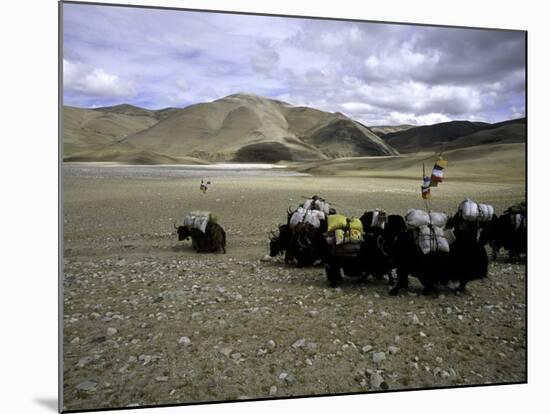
column 472, row 211
column 307, row 204
column 197, row 220
column 438, row 219
column 312, row 218
column 486, row 212
column 518, row 221
column 378, row 218
column 322, row 206
column 431, row 240
column 297, row 216
column 416, row 218
column 469, row 210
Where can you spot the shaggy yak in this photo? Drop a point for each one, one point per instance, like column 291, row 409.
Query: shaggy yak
column 306, row 245
column 466, row 261
column 212, row 240
column 374, row 256
column 302, row 242
column 279, row 241
column 509, row 231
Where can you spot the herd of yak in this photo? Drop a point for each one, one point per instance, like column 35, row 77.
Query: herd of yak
column 389, row 247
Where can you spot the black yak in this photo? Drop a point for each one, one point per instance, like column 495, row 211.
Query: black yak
column 306, row 245
column 300, row 242
column 279, row 241
column 465, row 261
column 374, row 256
column 507, row 231
column 211, row 241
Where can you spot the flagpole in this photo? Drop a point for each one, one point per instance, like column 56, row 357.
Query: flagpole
column 426, row 200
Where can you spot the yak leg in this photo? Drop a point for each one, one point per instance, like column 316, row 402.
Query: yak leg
column 333, row 272
column 461, row 287
column 495, row 249
column 391, row 279
column 402, row 281
column 427, row 283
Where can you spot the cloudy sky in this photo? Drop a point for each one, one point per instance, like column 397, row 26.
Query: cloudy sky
column 375, row 73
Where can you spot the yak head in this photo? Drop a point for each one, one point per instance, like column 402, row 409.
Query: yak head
column 183, row 232
column 278, row 241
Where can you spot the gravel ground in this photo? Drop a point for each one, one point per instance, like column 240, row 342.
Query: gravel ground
column 148, row 321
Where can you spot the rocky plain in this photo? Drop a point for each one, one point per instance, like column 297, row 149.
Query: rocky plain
column 147, row 321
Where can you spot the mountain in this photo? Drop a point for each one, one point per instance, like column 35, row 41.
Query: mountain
column 89, row 129
column 382, row 130
column 239, row 127
column 456, row 134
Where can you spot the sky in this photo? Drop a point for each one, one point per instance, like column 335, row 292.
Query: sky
column 376, row 73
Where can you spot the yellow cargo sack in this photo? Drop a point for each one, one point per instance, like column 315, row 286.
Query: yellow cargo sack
column 355, row 236
column 336, row 221
column 343, row 237
column 355, row 224
column 339, row 236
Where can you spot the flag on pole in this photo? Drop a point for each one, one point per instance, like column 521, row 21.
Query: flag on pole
column 437, row 172
column 426, row 195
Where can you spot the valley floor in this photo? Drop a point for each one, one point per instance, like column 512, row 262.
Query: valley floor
column 254, row 327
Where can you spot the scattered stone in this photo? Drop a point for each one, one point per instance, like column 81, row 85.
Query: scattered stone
column 282, row 376
column 313, row 313
column 422, row 334
column 111, row 331
column 162, row 379
column 309, row 362
column 266, row 258
column 271, row 345
column 87, row 386
column 236, row 356
column 75, row 340
column 378, row 357
column 290, row 379
column 393, row 350
column 414, row 319
column 376, row 380
column 83, row 362
column 439, row 360
column 185, row 341
column 299, row 343
column 158, row 299
column 366, row 348
column 146, row 359
column 273, row 390
column 99, row 339
column 226, row 351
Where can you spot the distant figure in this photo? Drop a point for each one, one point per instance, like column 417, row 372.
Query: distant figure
column 204, row 186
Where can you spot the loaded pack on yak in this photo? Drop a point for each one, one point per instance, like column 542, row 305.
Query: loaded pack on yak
column 301, row 237
column 470, row 218
column 509, row 231
column 345, row 248
column 429, row 252
column 206, row 234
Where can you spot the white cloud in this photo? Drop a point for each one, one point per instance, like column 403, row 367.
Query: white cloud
column 94, row 81
column 412, row 119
